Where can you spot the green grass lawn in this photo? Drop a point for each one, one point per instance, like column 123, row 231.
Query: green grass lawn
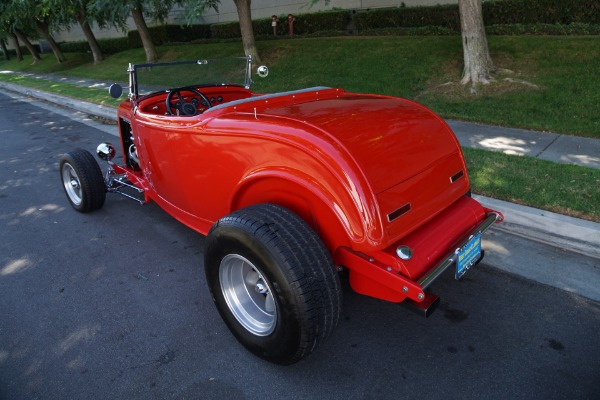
column 564, row 70
column 64, row 89
column 565, row 98
column 564, row 189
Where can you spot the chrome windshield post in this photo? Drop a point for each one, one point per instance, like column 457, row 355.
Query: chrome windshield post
column 132, row 82
column 248, row 82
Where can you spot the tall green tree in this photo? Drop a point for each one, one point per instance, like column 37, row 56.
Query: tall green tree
column 14, row 22
column 117, row 13
column 35, row 54
column 477, row 61
column 41, row 14
column 5, row 52
column 69, row 12
column 137, row 12
column 244, row 15
column 17, row 46
column 478, row 64
column 43, row 26
column 4, row 35
column 195, row 9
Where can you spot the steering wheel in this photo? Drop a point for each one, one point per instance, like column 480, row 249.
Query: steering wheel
column 186, row 108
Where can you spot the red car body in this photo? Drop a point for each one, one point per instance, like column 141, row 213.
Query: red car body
column 291, row 188
column 344, row 162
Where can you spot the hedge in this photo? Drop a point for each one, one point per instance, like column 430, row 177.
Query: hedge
column 541, row 11
column 411, row 31
column 108, row 46
column 160, row 35
column 163, row 34
column 506, row 29
column 543, row 29
column 226, row 30
column 304, row 24
column 503, row 12
column 446, row 16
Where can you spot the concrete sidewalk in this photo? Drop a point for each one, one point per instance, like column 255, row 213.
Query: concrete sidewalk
column 554, row 229
column 90, row 83
column 549, row 146
column 545, row 145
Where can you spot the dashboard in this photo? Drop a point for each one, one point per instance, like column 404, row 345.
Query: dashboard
column 182, row 99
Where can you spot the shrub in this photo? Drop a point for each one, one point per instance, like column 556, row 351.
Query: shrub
column 446, row 16
column 304, row 24
column 75, row 47
column 113, row 45
column 108, row 46
column 411, row 31
column 157, row 33
column 543, row 29
column 226, row 30
column 178, row 33
column 163, row 34
column 24, row 50
column 501, row 12
column 541, row 11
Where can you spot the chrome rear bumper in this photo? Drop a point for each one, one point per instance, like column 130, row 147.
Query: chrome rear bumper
column 450, row 258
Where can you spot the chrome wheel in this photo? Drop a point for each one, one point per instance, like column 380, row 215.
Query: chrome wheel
column 273, row 282
column 72, row 183
column 248, row 295
column 82, row 180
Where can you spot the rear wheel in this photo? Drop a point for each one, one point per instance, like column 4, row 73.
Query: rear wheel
column 82, row 181
column 273, row 282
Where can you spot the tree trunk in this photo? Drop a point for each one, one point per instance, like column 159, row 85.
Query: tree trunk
column 4, row 50
column 43, row 28
column 34, row 53
column 89, row 36
column 243, row 10
column 478, row 62
column 17, row 46
column 140, row 24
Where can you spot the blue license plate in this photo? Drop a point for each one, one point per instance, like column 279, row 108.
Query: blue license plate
column 468, row 256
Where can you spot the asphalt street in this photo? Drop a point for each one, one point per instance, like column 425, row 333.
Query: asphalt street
column 114, row 304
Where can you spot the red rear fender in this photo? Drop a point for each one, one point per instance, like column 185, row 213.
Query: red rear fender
column 333, row 216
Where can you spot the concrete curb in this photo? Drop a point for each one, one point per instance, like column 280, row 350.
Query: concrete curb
column 106, row 112
column 547, row 227
column 543, row 226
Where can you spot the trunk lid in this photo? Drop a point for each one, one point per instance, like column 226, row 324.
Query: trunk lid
column 391, row 139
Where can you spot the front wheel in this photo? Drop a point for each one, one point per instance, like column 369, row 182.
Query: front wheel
column 82, row 181
column 273, row 282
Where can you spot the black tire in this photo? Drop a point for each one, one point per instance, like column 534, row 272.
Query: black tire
column 82, row 181
column 285, row 272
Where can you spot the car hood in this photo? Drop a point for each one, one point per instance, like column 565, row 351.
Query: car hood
column 391, row 139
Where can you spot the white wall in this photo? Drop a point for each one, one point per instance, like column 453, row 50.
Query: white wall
column 260, row 9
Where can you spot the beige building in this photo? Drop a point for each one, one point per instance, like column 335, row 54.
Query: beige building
column 260, row 9
column 266, row 8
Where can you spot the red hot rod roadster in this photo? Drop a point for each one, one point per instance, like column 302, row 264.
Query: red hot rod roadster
column 290, row 189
